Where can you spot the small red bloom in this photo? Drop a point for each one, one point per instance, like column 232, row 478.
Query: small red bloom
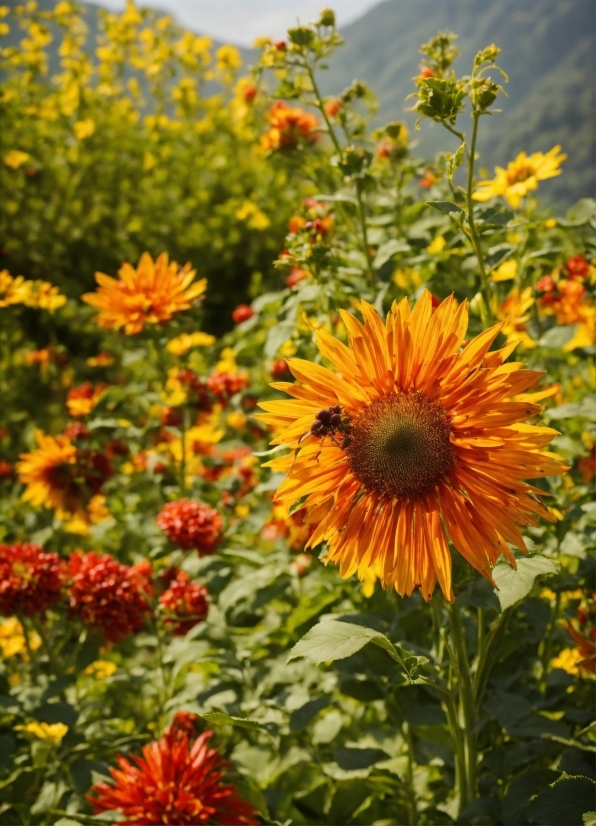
column 587, row 466
column 577, row 267
column 279, row 368
column 295, row 277
column 191, row 525
column 174, row 783
column 546, row 284
column 280, row 46
column 249, row 93
column 109, row 595
column 242, row 313
column 30, row 580
column 6, row 470
column 185, row 721
column 333, row 106
column 184, row 603
column 76, row 430
column 425, row 72
column 296, row 223
column 225, row 385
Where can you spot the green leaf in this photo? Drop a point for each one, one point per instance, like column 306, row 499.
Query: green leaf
column 448, row 208
column 564, row 802
column 557, row 337
column 218, row 718
column 585, row 410
column 520, row 791
column 336, row 640
column 455, row 161
column 589, row 818
column 57, row 713
column 515, row 585
column 388, row 250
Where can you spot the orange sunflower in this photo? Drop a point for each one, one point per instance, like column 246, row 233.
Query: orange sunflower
column 416, row 440
column 149, row 294
column 47, row 473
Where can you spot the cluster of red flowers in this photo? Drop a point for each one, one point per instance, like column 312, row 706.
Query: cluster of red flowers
column 225, row 385
column 191, row 525
column 565, row 296
column 109, row 595
column 30, row 579
column 184, row 603
column 289, row 127
column 177, row 780
column 81, row 400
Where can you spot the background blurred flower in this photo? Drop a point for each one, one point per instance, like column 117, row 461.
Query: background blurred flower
column 30, row 579
column 521, row 176
column 184, row 604
column 191, row 525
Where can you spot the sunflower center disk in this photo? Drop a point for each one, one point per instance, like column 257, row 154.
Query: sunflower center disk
column 400, row 446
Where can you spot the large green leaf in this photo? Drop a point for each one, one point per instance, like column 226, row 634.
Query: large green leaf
column 564, row 802
column 513, row 584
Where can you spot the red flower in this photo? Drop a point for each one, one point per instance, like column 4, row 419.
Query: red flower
column 577, row 267
column 249, row 93
column 295, row 277
column 174, row 783
column 425, row 72
column 185, row 721
column 279, row 368
column 242, row 313
column 30, row 580
column 109, row 595
column 185, row 604
column 191, row 525
column 6, row 470
column 225, row 385
column 546, row 284
column 333, row 106
column 587, row 466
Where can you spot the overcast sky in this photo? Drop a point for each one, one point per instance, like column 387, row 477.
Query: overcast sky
column 240, row 21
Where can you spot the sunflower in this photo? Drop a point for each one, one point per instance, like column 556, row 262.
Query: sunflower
column 416, row 440
column 521, row 176
column 48, row 473
column 149, row 294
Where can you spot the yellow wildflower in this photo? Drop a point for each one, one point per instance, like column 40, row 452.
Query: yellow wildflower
column 12, row 639
column 436, row 246
column 514, row 312
column 101, row 669
column 567, row 660
column 84, row 128
column 254, row 217
column 228, row 58
column 186, row 341
column 50, row 732
column 407, row 278
column 506, row 272
column 236, row 420
column 15, row 158
column 521, row 176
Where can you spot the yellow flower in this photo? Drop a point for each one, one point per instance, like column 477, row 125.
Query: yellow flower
column 15, row 158
column 521, row 176
column 236, row 420
column 13, row 290
column 428, row 445
column 149, row 294
column 513, row 312
column 407, row 278
column 84, row 129
column 228, row 58
column 46, row 472
column 227, row 361
column 506, row 272
column 241, row 511
column 436, row 246
column 567, row 660
column 101, row 360
column 51, row 732
column 254, row 217
column 101, row 669
column 12, row 639
column 186, row 341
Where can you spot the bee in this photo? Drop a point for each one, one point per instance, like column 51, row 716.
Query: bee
column 330, row 422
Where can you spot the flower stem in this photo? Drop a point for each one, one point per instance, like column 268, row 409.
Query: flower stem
column 362, row 214
column 413, row 813
column 466, row 701
column 470, row 205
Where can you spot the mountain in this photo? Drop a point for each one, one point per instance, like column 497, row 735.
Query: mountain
column 548, row 49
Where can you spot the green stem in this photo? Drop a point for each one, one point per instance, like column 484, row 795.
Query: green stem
column 413, row 815
column 30, row 653
column 470, row 205
column 183, row 429
column 321, row 107
column 546, row 645
column 54, row 664
column 362, row 214
column 466, row 700
column 489, row 654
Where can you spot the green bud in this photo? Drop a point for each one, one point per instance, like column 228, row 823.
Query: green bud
column 440, row 99
column 327, row 18
column 488, row 55
column 301, row 36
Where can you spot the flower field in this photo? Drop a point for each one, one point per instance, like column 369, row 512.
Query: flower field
column 297, row 442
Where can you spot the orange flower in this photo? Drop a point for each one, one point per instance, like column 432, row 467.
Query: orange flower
column 149, row 294
column 81, row 400
column 413, row 441
column 289, row 126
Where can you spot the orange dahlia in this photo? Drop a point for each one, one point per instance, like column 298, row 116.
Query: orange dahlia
column 416, row 440
column 174, row 782
column 149, row 294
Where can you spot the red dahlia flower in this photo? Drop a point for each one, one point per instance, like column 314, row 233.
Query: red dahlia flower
column 191, row 525
column 577, row 267
column 109, row 595
column 242, row 313
column 185, row 604
column 174, row 783
column 30, row 580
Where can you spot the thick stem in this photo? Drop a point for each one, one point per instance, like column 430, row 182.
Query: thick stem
column 466, row 699
column 362, row 214
column 470, row 205
column 546, row 644
column 321, row 107
column 183, row 429
column 413, row 813
column 54, row 663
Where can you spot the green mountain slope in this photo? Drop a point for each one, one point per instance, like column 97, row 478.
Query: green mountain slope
column 548, row 49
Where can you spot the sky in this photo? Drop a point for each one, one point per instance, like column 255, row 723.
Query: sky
column 240, row 21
